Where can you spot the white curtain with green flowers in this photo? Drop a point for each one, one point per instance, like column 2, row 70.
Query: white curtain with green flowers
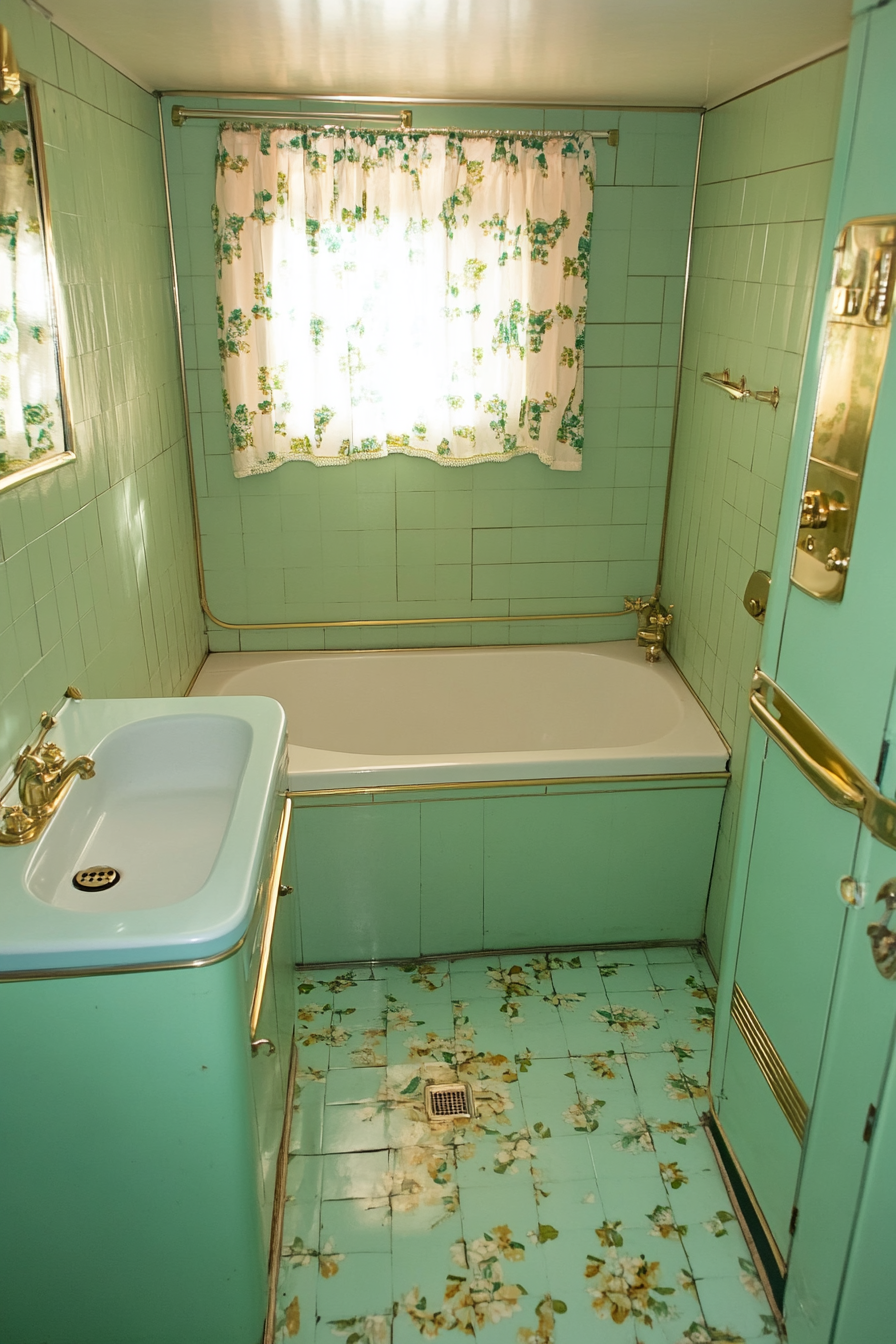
column 402, row 292
column 30, row 411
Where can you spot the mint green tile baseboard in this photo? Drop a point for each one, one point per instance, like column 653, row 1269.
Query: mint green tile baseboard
column 435, row 875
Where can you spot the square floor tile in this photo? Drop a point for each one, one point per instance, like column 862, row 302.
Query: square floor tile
column 354, row 1129
column 355, row 1175
column 296, row 1316
column 307, row 1125
column 668, row 955
column 359, row 1086
column 736, row 1304
column 351, row 1225
column 362, row 1287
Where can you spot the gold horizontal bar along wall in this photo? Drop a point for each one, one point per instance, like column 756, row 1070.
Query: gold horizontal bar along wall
column 784, row 1089
column 505, row 783
column 406, row 620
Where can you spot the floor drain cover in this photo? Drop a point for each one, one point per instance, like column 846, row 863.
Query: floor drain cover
column 96, row 879
column 448, row 1101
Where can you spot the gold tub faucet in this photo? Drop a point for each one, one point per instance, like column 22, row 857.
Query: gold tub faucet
column 43, row 776
column 653, row 622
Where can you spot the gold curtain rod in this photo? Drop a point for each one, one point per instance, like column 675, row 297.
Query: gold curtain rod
column 402, row 119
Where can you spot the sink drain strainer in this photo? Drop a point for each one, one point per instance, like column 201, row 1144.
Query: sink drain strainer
column 96, row 879
column 446, row 1101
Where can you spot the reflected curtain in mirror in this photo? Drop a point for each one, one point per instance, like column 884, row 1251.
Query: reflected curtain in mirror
column 30, row 409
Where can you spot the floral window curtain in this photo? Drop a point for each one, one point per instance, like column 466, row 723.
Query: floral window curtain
column 402, row 292
column 30, row 412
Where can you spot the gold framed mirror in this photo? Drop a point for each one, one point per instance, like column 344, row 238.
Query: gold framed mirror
column 35, row 427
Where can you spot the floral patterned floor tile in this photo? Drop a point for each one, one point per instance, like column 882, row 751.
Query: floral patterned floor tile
column 633, row 956
column 627, row 979
column 355, row 1175
column 568, row 1206
column 580, row 1205
column 348, row 1226
column 354, row 1129
column 308, row 1118
column 661, row 955
column 737, row 1305
column 362, row 1288
column 296, row 1317
column 677, row 975
column 354, row 1087
column 585, row 979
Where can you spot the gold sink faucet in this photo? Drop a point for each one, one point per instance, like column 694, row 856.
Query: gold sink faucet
column 653, row 622
column 43, row 776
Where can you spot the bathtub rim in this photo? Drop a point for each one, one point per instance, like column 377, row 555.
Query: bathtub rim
column 348, row 774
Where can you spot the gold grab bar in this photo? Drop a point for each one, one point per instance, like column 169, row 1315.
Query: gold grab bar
column 270, row 914
column 815, row 756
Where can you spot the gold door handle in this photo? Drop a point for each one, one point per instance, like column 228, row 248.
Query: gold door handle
column 806, row 745
column 816, row 757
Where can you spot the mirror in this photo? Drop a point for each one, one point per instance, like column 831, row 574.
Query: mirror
column 34, row 425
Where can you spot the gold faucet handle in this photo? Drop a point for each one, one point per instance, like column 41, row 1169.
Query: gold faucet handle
column 46, row 723
column 637, row 603
column 663, row 617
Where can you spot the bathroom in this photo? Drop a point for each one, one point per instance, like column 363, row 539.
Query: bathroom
column 521, row 905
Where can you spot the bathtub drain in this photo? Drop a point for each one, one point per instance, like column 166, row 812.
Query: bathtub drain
column 96, row 878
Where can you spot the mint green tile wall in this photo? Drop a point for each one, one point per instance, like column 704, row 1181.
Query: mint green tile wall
column 97, row 576
column 406, row 538
column 763, row 183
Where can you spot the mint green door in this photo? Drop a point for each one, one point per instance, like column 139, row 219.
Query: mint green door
column 790, row 1089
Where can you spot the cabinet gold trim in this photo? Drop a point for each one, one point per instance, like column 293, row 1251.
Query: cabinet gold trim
column 784, row 1089
column 270, row 915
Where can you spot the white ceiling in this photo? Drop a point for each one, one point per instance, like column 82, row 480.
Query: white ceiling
column 631, row 52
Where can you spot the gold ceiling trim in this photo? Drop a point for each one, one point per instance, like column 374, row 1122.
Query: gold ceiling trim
column 774, row 1070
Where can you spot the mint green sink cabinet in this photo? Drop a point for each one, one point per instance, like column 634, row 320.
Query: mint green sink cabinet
column 139, row 1129
column 140, row 1136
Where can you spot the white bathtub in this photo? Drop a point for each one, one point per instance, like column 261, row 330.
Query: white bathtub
column 446, row 716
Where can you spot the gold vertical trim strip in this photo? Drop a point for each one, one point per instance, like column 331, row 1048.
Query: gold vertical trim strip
column 784, row 1089
column 270, row 915
column 279, row 1207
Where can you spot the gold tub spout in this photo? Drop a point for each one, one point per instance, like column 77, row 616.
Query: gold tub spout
column 653, row 621
column 43, row 776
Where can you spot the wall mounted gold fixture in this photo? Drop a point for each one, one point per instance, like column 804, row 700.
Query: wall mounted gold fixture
column 653, row 623
column 10, row 78
column 756, row 594
column 723, row 380
column 856, row 337
column 740, row 391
